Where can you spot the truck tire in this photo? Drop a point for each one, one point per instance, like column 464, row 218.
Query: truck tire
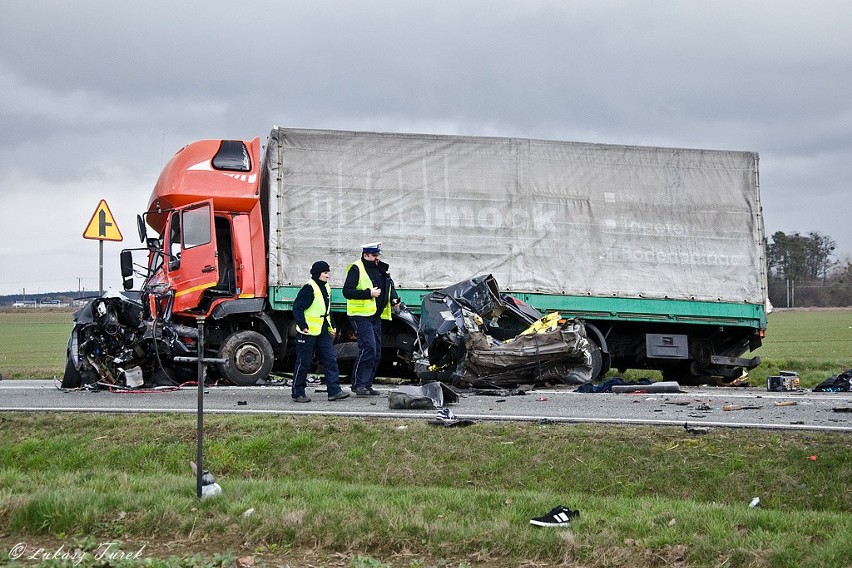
column 248, row 357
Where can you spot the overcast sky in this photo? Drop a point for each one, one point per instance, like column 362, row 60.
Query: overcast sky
column 97, row 96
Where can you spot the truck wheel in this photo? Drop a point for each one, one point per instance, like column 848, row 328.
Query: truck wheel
column 248, row 357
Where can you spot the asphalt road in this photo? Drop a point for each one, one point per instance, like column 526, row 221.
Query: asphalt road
column 697, row 407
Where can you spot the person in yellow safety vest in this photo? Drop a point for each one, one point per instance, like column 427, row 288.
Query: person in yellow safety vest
column 370, row 295
column 312, row 314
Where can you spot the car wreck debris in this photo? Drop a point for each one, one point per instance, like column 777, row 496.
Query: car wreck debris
column 111, row 344
column 430, row 395
column 474, row 336
column 836, row 383
column 658, row 387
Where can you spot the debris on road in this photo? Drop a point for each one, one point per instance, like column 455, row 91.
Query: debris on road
column 430, row 395
column 836, row 383
column 729, row 407
column 658, row 387
column 608, row 384
column 784, row 381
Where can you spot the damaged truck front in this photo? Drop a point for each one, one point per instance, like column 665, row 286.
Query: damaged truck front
column 207, row 263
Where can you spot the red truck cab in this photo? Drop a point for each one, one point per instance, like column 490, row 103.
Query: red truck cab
column 206, row 208
column 209, row 259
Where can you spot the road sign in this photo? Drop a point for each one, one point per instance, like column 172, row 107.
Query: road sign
column 102, row 226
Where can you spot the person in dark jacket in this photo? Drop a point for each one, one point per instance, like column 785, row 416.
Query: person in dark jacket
column 370, row 294
column 311, row 312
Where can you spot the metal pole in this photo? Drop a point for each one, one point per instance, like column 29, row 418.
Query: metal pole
column 200, row 425
column 201, row 360
column 101, row 266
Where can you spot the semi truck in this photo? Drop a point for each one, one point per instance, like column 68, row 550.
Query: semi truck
column 658, row 251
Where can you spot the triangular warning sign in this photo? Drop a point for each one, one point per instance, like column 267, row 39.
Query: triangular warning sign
column 102, row 227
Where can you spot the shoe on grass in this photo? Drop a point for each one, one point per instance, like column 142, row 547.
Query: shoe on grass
column 557, row 517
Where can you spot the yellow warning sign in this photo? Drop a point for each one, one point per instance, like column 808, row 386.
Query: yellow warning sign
column 102, row 227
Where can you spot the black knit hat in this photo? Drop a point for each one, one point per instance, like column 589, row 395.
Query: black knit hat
column 319, row 267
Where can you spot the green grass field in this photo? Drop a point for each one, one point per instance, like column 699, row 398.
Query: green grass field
column 325, row 491
column 32, row 343
column 816, row 343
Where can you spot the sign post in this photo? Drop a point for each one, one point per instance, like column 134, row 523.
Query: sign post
column 199, row 434
column 102, row 227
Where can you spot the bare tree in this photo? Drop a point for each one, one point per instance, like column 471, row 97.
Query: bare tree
column 822, row 247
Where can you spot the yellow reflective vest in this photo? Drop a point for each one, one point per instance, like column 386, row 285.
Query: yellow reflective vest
column 318, row 310
column 364, row 307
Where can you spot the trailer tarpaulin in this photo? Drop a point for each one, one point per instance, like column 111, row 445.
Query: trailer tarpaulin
column 541, row 216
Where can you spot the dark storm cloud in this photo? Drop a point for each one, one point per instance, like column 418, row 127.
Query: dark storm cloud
column 97, row 95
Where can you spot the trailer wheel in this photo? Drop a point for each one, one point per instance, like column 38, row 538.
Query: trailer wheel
column 248, row 357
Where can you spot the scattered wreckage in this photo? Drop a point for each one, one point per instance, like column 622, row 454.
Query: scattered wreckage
column 470, row 335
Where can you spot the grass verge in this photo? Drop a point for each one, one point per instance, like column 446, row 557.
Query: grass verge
column 334, row 491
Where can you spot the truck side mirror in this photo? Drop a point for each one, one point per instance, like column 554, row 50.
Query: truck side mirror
column 126, row 263
column 140, row 227
column 127, row 269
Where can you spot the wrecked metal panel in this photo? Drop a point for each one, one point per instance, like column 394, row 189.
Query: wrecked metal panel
column 559, row 356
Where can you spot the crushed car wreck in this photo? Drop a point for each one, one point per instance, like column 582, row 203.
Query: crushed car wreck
column 112, row 344
column 474, row 336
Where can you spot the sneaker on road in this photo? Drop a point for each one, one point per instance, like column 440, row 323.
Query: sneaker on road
column 557, row 517
column 361, row 392
column 302, row 398
column 339, row 396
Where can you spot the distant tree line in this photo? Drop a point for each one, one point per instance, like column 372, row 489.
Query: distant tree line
column 804, row 273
